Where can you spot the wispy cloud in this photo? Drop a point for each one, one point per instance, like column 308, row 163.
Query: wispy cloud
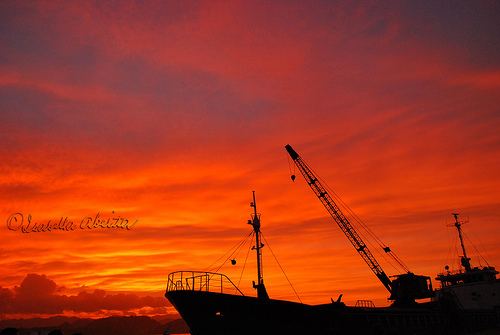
column 171, row 113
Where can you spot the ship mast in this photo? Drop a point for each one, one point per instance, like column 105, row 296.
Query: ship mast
column 255, row 222
column 464, row 259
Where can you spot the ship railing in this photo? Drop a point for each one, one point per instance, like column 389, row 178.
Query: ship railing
column 201, row 281
column 365, row 304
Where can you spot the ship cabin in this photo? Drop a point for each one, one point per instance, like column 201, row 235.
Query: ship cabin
column 474, row 275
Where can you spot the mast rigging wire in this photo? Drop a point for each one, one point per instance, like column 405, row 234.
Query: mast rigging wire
column 282, row 270
column 235, row 247
column 246, row 258
column 475, row 248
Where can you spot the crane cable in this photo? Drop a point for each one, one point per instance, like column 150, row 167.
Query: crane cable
column 291, row 168
column 353, row 215
column 369, row 238
column 367, row 229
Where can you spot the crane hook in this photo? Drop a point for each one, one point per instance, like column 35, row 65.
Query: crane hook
column 292, row 177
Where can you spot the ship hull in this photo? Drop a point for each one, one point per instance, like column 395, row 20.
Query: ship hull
column 208, row 313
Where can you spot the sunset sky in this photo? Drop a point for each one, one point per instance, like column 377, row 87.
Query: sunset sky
column 172, row 112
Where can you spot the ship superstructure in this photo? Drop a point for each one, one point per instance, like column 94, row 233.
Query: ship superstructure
column 472, row 288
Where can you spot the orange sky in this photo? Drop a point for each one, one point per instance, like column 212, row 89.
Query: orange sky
column 172, row 113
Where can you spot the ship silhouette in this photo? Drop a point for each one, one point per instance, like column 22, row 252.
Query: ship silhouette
column 467, row 301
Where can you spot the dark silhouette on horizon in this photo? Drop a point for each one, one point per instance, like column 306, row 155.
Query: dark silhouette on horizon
column 9, row 331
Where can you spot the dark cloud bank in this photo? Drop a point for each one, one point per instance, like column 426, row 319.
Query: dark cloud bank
column 38, row 294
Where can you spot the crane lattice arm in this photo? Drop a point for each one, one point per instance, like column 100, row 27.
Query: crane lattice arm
column 339, row 217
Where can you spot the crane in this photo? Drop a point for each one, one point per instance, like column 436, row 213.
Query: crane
column 404, row 288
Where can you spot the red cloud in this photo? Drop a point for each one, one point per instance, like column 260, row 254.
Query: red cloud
column 38, row 294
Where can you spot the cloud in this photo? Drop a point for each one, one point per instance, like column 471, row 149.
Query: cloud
column 38, row 294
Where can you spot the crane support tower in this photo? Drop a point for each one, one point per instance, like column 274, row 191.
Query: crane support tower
column 403, row 288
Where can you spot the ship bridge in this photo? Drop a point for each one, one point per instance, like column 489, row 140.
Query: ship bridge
column 475, row 275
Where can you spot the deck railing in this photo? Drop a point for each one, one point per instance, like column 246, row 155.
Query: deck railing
column 201, row 281
column 365, row 304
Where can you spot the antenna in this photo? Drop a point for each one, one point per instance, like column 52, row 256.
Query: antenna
column 464, row 259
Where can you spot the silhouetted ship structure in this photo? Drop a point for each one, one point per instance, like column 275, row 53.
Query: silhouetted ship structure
column 467, row 301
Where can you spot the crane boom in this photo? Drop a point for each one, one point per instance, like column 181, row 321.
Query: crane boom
column 339, row 217
column 404, row 288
